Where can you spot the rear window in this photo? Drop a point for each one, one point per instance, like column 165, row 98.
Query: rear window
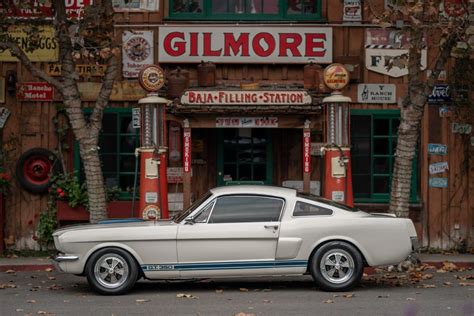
column 319, row 199
column 305, row 209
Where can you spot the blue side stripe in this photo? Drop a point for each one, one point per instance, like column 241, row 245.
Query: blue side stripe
column 225, row 265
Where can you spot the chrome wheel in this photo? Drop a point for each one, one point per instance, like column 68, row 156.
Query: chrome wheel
column 337, row 266
column 111, row 270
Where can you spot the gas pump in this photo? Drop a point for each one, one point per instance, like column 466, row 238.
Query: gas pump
column 337, row 175
column 152, row 151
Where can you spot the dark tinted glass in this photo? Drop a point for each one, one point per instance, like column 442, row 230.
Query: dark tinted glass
column 304, row 209
column 240, row 209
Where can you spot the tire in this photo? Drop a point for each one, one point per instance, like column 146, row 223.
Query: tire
column 34, row 169
column 337, row 266
column 119, row 279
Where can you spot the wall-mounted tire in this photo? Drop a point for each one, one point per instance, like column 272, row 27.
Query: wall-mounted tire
column 34, row 169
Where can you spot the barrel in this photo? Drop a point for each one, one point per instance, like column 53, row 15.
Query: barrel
column 206, row 74
column 177, row 83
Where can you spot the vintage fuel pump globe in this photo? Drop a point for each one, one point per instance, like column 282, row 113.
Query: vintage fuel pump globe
column 153, row 184
column 337, row 166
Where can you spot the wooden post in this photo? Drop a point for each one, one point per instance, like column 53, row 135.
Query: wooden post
column 187, row 155
column 307, row 157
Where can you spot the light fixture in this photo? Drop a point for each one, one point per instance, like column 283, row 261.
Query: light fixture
column 11, row 83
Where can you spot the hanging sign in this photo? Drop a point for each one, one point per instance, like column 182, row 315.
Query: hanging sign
column 386, row 52
column 245, row 44
column 34, row 91
column 458, row 128
column 306, row 152
column 47, row 50
column 239, row 97
column 438, row 182
column 137, row 52
column 187, row 151
column 352, row 11
column 440, row 93
column 437, row 149
column 245, row 122
column 376, row 93
column 438, row 167
column 4, row 114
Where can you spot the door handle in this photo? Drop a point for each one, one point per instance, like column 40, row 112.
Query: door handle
column 275, row 227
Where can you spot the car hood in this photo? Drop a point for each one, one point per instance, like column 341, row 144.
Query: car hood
column 109, row 225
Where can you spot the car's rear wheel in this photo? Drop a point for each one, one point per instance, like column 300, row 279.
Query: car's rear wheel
column 111, row 271
column 337, row 266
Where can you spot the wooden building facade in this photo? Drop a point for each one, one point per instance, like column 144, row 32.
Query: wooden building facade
column 246, row 121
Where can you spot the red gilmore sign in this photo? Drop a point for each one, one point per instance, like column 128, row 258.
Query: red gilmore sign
column 187, row 151
column 243, row 44
column 34, row 91
column 306, row 152
column 243, row 97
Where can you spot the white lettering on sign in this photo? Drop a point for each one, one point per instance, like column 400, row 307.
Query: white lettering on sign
column 4, row 114
column 438, row 167
column 204, row 97
column 241, row 122
column 306, row 152
column 376, row 93
column 151, row 197
column 461, row 128
column 243, row 44
column 187, row 151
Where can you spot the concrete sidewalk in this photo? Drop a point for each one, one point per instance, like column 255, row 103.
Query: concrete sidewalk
column 42, row 263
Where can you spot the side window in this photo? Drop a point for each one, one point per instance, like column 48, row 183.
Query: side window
column 241, row 209
column 204, row 214
column 305, row 209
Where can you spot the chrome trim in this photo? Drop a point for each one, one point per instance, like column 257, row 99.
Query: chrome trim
column 62, row 258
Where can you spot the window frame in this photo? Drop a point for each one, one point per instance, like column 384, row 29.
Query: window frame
column 282, row 16
column 124, row 195
column 384, row 197
column 311, row 215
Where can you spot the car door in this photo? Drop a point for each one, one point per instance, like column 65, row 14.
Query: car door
column 233, row 235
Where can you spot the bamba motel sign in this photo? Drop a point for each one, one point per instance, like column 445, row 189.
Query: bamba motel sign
column 245, row 44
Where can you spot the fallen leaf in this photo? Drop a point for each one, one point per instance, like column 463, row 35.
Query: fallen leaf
column 7, row 286
column 141, row 300
column 441, row 271
column 19, row 309
column 410, row 299
column 31, row 301
column 267, row 290
column 48, row 270
column 219, row 291
column 427, row 276
column 466, row 284
column 428, row 286
column 10, row 271
column 242, row 289
column 328, row 301
column 449, row 266
column 266, row 301
column 349, row 295
column 51, row 278
column 244, row 314
column 447, row 283
column 182, row 295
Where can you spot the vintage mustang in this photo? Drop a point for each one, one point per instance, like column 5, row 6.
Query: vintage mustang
column 233, row 231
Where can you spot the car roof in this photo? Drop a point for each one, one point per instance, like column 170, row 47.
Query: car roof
column 255, row 189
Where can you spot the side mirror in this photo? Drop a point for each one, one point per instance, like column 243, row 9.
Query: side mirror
column 189, row 220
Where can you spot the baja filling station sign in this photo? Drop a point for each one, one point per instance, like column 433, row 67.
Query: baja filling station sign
column 243, row 44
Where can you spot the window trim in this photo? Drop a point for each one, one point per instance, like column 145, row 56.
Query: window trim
column 282, row 16
column 385, row 197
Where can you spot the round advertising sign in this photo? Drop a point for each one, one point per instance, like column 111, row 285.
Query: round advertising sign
column 336, row 76
column 151, row 78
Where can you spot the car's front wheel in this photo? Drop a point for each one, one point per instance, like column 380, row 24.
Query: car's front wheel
column 111, row 271
column 337, row 266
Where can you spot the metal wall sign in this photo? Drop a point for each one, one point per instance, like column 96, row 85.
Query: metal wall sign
column 137, row 52
column 245, row 44
column 437, row 149
column 247, row 122
column 438, row 182
column 187, row 151
column 34, row 91
column 459, row 128
column 376, row 93
column 83, row 70
column 136, row 118
column 440, row 93
column 386, row 52
column 135, row 5
column 245, row 97
column 4, row 114
column 438, row 167
column 307, row 151
column 445, row 111
column 352, row 11
column 74, row 8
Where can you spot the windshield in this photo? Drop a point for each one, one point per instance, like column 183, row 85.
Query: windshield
column 184, row 213
column 326, row 201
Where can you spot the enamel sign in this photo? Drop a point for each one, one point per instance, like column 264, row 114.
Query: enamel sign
column 245, row 44
column 137, row 52
column 376, row 93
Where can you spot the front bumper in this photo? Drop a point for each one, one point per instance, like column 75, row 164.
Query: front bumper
column 60, row 261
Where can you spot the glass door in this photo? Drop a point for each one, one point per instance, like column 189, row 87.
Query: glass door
column 244, row 156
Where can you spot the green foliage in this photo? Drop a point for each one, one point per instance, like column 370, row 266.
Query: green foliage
column 113, row 193
column 5, row 182
column 67, row 187
column 47, row 224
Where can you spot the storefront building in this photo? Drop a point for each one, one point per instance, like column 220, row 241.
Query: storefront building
column 245, row 81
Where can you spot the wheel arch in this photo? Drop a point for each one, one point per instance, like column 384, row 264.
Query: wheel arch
column 349, row 241
column 131, row 252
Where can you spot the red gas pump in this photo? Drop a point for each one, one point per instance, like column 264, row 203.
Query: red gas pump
column 153, row 182
column 338, row 175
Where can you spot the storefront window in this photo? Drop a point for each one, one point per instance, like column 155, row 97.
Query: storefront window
column 245, row 9
column 373, row 145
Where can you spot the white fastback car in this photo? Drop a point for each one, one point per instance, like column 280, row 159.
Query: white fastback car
column 238, row 231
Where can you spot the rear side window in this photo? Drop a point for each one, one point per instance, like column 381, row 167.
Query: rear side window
column 305, row 209
column 242, row 209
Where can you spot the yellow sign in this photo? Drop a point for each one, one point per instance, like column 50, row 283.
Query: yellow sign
column 85, row 70
column 48, row 47
column 336, row 76
column 121, row 91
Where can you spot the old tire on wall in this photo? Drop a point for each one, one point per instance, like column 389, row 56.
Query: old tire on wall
column 34, row 169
